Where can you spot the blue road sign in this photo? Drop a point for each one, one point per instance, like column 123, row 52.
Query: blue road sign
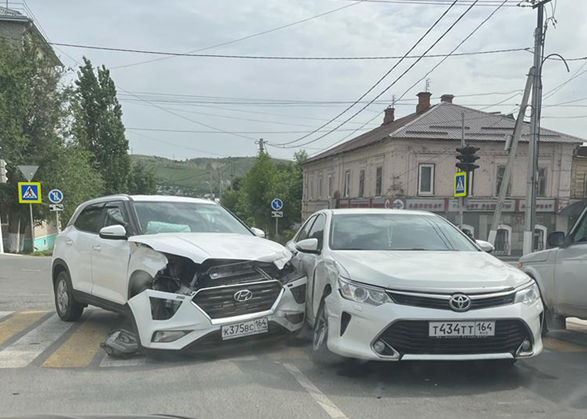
column 460, row 184
column 276, row 204
column 29, row 192
column 55, row 196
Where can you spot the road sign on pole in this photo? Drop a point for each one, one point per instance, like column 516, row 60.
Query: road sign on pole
column 55, row 196
column 29, row 192
column 56, row 207
column 277, row 214
column 28, row 171
column 460, row 184
column 276, row 204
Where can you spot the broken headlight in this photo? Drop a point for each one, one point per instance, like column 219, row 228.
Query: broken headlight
column 289, row 273
column 163, row 309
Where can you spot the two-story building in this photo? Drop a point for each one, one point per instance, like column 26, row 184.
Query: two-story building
column 410, row 163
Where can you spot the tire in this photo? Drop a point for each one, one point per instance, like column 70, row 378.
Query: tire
column 321, row 355
column 67, row 308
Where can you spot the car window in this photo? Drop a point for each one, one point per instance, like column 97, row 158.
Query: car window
column 580, row 233
column 305, row 230
column 114, row 215
column 317, row 230
column 89, row 219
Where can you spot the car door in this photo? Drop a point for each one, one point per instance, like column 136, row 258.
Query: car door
column 302, row 234
column 571, row 272
column 110, row 258
column 310, row 261
column 77, row 247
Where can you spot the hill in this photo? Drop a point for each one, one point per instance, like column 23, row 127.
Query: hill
column 199, row 176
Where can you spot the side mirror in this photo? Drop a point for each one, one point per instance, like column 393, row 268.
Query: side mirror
column 556, row 239
column 258, row 232
column 307, row 246
column 485, row 246
column 113, row 232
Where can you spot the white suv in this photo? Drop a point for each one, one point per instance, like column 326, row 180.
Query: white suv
column 186, row 270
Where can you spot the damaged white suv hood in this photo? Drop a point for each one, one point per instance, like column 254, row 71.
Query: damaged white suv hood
column 202, row 246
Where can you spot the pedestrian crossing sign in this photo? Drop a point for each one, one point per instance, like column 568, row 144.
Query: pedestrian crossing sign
column 460, row 184
column 29, row 192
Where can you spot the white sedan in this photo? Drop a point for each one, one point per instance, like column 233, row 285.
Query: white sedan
column 408, row 285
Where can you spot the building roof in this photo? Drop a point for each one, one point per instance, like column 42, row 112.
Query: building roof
column 9, row 14
column 443, row 122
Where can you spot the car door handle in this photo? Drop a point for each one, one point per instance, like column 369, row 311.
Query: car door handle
column 97, row 248
column 69, row 242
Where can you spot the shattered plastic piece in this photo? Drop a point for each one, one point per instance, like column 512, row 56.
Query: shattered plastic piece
column 120, row 344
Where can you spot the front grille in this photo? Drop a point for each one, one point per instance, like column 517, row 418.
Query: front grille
column 220, row 303
column 442, row 303
column 411, row 337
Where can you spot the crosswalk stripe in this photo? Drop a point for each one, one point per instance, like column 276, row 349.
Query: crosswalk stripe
column 81, row 347
column 18, row 323
column 562, row 346
column 22, row 352
column 5, row 314
column 116, row 362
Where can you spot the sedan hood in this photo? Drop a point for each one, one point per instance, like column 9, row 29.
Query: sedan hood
column 428, row 270
column 202, row 246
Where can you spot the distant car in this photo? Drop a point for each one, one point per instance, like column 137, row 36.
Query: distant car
column 561, row 274
column 187, row 270
column 396, row 285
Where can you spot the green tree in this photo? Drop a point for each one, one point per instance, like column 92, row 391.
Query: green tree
column 141, row 180
column 97, row 126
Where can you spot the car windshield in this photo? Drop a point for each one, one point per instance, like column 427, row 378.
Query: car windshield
column 186, row 217
column 396, row 232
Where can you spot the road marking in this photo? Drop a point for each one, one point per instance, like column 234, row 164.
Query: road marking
column 562, row 346
column 22, row 352
column 320, row 398
column 18, row 323
column 81, row 347
column 5, row 313
column 109, row 362
column 287, row 353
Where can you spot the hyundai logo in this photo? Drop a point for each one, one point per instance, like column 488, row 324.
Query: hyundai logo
column 459, row 302
column 243, row 296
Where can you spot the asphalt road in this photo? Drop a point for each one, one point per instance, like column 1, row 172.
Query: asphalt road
column 48, row 367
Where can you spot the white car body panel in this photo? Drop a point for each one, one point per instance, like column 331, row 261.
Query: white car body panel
column 73, row 244
column 109, row 269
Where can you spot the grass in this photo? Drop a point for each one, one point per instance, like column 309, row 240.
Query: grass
column 48, row 252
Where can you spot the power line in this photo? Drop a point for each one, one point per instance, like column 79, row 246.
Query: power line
column 512, row 3
column 380, row 79
column 397, row 79
column 276, row 57
column 186, row 131
column 233, row 41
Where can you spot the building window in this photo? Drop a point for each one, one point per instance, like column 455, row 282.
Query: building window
column 499, row 179
column 503, row 241
column 329, row 186
column 347, row 184
column 378, row 180
column 426, row 179
column 585, row 186
column 362, row 183
column 311, row 189
column 541, row 181
column 320, row 187
column 540, row 233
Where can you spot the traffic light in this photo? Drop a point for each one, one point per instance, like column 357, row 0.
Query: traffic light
column 3, row 178
column 467, row 158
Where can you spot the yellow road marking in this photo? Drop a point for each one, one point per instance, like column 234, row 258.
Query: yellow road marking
column 18, row 323
column 82, row 346
column 288, row 353
column 562, row 346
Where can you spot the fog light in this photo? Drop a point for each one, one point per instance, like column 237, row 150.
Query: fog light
column 168, row 336
column 526, row 345
column 379, row 347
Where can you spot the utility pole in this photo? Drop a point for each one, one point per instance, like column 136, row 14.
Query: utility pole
column 261, row 143
column 530, row 220
column 505, row 182
column 461, row 219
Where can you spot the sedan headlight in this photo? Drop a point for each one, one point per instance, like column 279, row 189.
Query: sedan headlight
column 528, row 295
column 361, row 293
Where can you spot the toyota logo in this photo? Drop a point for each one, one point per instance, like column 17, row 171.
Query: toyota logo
column 459, row 302
column 243, row 296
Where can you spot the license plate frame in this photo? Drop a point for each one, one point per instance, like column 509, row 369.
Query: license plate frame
column 242, row 329
column 461, row 329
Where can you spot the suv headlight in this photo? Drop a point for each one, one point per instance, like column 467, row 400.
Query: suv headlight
column 361, row 293
column 528, row 295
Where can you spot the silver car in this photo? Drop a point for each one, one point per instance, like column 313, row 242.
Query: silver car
column 561, row 274
column 408, row 285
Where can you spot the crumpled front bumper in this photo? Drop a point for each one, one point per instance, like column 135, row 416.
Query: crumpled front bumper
column 367, row 324
column 286, row 314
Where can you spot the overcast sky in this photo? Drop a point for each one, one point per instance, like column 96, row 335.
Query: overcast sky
column 365, row 29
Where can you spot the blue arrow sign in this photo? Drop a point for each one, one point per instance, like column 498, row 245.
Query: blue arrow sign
column 276, row 204
column 55, row 196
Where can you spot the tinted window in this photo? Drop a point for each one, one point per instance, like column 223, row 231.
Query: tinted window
column 580, row 234
column 317, row 230
column 89, row 219
column 396, row 232
column 303, row 234
column 114, row 216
